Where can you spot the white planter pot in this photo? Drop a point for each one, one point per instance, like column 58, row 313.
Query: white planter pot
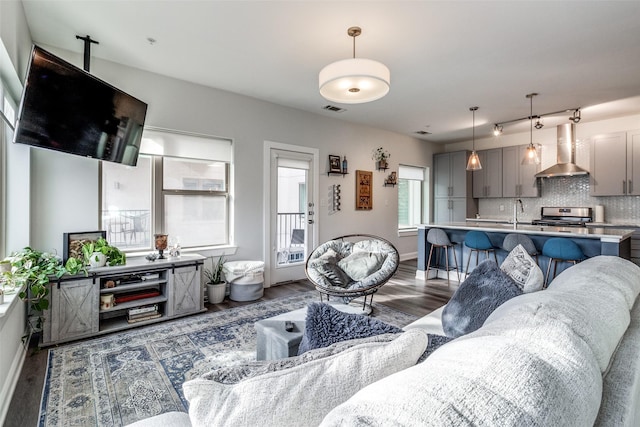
column 216, row 292
column 98, row 259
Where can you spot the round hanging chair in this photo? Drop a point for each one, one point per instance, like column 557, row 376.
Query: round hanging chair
column 352, row 266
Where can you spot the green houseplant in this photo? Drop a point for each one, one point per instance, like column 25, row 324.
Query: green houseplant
column 30, row 272
column 100, row 253
column 216, row 286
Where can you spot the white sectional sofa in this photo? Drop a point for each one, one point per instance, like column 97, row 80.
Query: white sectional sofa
column 565, row 356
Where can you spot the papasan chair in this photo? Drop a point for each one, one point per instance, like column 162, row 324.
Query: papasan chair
column 352, row 266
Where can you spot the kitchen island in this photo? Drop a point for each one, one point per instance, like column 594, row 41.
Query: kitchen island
column 592, row 240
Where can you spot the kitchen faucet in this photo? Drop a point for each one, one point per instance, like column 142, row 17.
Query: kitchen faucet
column 515, row 210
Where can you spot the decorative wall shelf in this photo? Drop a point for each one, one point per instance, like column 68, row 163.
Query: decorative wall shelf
column 337, row 173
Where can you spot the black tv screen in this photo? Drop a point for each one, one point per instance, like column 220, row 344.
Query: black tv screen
column 66, row 109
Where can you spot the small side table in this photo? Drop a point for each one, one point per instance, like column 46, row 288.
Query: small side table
column 274, row 341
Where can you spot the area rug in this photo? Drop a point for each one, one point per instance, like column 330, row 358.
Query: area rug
column 124, row 377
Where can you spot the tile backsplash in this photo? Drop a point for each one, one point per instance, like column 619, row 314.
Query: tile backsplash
column 569, row 192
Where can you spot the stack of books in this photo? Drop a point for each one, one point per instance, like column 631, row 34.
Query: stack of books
column 140, row 314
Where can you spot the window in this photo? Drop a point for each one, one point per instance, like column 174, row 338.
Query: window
column 180, row 187
column 7, row 116
column 411, row 196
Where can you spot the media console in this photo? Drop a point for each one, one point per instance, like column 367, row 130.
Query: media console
column 116, row 298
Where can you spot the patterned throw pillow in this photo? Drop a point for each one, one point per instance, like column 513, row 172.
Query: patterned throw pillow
column 523, row 270
column 334, row 274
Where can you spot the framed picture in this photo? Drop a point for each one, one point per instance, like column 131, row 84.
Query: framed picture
column 72, row 244
column 334, row 163
column 364, row 190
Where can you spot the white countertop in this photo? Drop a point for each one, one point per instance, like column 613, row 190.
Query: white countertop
column 605, row 234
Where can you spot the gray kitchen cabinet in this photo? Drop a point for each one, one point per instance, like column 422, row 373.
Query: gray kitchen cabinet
column 141, row 292
column 453, row 189
column 487, row 182
column 615, row 164
column 608, row 174
column 518, row 180
column 633, row 162
column 185, row 290
column 72, row 310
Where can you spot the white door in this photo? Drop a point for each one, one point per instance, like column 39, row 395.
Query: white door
column 291, row 231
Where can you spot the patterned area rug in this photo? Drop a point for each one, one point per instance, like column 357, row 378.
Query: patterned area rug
column 124, row 377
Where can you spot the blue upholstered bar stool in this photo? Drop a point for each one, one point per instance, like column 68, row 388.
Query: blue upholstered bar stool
column 514, row 239
column 440, row 242
column 478, row 241
column 563, row 250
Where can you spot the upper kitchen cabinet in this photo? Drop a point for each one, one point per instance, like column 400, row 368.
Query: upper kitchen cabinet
column 451, row 178
column 518, row 180
column 452, row 187
column 615, row 164
column 487, row 182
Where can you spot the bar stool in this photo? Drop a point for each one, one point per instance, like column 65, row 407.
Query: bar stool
column 478, row 241
column 563, row 250
column 514, row 239
column 440, row 241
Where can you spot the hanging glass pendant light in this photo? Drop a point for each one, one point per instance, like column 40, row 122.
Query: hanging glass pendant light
column 473, row 164
column 531, row 155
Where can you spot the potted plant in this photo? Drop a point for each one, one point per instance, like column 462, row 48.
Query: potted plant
column 216, row 286
column 381, row 155
column 101, row 253
column 30, row 272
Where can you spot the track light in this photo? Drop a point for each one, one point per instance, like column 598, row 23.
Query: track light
column 497, row 130
column 539, row 123
column 576, row 116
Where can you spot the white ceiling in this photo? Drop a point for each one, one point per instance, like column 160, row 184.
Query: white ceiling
column 444, row 56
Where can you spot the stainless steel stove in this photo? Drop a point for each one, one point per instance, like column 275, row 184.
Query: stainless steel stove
column 564, row 217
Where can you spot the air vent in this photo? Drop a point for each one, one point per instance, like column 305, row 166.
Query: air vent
column 423, row 132
column 334, row 108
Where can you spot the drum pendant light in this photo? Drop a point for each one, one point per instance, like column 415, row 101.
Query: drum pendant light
column 531, row 155
column 474, row 161
column 356, row 80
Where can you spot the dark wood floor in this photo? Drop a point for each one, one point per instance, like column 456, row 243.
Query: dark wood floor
column 403, row 293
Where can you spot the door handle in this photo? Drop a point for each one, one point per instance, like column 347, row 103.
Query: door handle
column 624, row 187
column 630, row 187
column 310, row 221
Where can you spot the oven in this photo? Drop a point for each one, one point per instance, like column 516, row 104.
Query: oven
column 564, row 217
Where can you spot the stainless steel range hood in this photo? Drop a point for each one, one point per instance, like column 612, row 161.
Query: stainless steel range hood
column 566, row 160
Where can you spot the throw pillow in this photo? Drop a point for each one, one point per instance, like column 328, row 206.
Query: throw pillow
column 359, row 265
column 326, row 325
column 304, row 394
column 523, row 270
column 484, row 290
column 334, row 274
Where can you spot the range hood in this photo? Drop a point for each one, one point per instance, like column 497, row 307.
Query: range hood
column 566, row 161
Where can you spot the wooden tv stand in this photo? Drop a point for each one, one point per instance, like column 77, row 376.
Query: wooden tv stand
column 173, row 285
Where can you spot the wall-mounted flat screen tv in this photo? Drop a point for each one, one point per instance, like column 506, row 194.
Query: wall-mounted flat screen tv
column 66, row 109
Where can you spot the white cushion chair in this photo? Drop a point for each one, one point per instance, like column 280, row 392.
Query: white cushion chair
column 352, row 266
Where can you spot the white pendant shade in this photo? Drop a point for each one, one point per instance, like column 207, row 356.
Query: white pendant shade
column 353, row 81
